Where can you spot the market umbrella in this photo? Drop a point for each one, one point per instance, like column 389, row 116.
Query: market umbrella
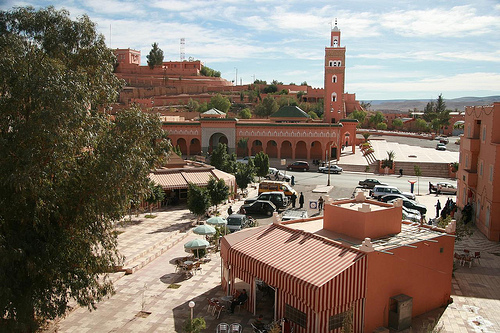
column 196, row 244
column 204, row 229
column 217, row 220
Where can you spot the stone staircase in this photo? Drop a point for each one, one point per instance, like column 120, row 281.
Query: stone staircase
column 428, row 169
column 138, row 261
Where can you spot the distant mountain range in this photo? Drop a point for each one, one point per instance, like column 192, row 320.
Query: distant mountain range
column 401, row 105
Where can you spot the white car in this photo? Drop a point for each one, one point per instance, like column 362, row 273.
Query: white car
column 244, row 160
column 333, row 169
column 275, row 174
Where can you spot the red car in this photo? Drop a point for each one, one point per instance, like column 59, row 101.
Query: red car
column 298, row 166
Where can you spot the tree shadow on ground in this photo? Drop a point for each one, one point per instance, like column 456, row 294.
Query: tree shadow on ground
column 173, row 227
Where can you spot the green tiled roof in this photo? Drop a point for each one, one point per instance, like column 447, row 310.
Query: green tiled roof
column 290, row 112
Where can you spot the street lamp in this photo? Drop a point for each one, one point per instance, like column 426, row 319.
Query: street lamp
column 191, row 305
column 329, row 151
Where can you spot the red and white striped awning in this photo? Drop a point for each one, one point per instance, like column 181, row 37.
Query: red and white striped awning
column 322, row 273
column 169, row 180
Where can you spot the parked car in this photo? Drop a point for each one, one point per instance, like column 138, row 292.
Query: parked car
column 298, row 166
column 294, row 214
column 443, row 187
column 275, row 174
column 245, row 160
column 444, row 140
column 236, row 222
column 440, row 146
column 389, row 197
column 370, row 183
column 260, row 207
column 411, row 204
column 333, row 169
column 411, row 214
column 381, row 190
column 279, row 199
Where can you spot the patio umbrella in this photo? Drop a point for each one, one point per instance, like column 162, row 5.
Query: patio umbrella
column 204, row 229
column 217, row 220
column 196, row 244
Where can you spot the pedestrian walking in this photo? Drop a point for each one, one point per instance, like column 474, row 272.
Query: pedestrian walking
column 292, row 180
column 430, row 187
column 438, row 208
column 320, row 203
column 301, row 200
column 293, row 197
column 400, row 172
column 229, row 210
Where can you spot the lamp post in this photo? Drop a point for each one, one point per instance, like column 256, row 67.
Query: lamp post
column 191, row 305
column 329, row 151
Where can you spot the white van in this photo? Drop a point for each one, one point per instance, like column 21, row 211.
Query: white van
column 381, row 190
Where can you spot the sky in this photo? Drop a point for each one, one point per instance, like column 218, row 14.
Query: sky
column 395, row 49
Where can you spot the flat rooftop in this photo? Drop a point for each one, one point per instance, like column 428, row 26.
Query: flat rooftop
column 411, row 233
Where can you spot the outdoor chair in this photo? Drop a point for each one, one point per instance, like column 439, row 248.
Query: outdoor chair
column 238, row 306
column 197, row 267
column 467, row 260
column 235, row 328
column 218, row 309
column 459, row 258
column 257, row 330
column 477, row 256
column 211, row 305
column 222, row 328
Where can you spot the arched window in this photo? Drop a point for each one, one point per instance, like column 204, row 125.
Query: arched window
column 334, row 79
column 331, row 63
column 335, row 43
column 334, row 97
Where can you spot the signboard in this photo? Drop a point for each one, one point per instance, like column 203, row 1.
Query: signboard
column 313, row 204
column 283, row 161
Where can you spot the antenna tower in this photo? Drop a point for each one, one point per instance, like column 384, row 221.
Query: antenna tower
column 183, row 49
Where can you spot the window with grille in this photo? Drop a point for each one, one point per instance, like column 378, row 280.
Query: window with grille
column 336, row 321
column 296, row 316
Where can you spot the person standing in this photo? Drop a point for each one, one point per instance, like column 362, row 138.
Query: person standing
column 292, row 180
column 438, row 208
column 301, row 200
column 229, row 210
column 320, row 203
column 293, row 197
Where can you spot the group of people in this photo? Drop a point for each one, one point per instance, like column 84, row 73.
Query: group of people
column 448, row 208
column 293, row 198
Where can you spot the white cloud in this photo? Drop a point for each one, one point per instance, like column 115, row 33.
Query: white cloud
column 461, row 82
column 459, row 21
column 110, row 7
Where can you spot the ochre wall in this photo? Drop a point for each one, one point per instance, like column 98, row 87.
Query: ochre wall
column 423, row 273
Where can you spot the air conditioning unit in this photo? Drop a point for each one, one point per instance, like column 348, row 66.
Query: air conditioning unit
column 400, row 309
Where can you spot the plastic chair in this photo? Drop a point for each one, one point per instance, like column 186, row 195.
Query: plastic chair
column 197, row 267
column 235, row 328
column 257, row 330
column 211, row 304
column 218, row 309
column 222, row 328
column 239, row 305
column 477, row 256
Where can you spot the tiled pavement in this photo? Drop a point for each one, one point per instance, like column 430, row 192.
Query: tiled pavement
column 151, row 245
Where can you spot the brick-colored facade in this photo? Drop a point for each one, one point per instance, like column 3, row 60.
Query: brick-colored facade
column 479, row 162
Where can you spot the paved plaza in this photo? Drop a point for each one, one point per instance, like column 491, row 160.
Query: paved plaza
column 154, row 298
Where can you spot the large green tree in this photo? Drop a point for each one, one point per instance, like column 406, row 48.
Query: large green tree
column 261, row 163
column 267, row 107
column 220, row 103
column 67, row 172
column 244, row 175
column 218, row 191
column 198, row 200
column 155, row 56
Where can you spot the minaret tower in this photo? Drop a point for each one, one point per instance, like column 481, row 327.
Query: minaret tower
column 334, row 78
